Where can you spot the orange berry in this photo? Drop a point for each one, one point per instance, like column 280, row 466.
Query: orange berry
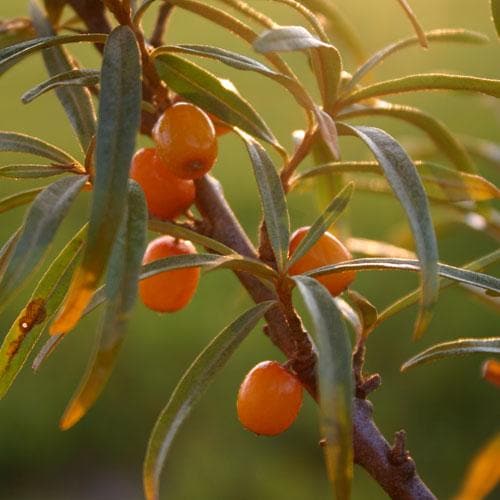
column 171, row 290
column 167, row 196
column 326, row 251
column 269, row 399
column 186, row 140
column 220, row 126
column 491, row 371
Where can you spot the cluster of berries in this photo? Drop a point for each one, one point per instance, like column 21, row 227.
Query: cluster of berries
column 186, row 149
column 270, row 396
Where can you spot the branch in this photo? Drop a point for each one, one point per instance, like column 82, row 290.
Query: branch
column 393, row 469
column 156, row 39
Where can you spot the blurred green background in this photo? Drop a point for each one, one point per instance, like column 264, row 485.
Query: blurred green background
column 446, row 408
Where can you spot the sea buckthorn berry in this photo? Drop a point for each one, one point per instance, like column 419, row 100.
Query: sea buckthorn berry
column 269, row 399
column 221, row 127
column 491, row 371
column 186, row 140
column 167, row 196
column 326, row 251
column 169, row 291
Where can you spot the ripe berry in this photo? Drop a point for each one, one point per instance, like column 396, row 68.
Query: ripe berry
column 269, row 399
column 491, row 371
column 171, row 290
column 186, row 140
column 221, row 127
column 326, row 251
column 167, row 196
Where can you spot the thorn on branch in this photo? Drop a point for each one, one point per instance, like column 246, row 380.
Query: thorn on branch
column 400, row 456
column 368, row 385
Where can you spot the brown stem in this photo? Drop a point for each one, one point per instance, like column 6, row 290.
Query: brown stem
column 156, row 39
column 400, row 480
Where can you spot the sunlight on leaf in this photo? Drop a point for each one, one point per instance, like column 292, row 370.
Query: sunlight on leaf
column 459, row 347
column 400, row 172
column 121, row 291
column 119, row 116
column 414, row 22
column 31, row 322
column 424, row 82
column 439, row 35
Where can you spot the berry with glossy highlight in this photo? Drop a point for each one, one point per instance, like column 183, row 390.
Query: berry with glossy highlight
column 169, row 291
column 167, row 196
column 186, row 140
column 269, row 399
column 327, row 250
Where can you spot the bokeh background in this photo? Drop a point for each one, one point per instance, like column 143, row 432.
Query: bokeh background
column 448, row 411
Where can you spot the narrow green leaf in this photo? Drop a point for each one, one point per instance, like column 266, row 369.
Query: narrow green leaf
column 459, row 347
column 211, row 261
column 119, row 117
column 437, row 131
column 439, row 35
column 121, row 292
column 414, row 22
column 350, row 315
column 495, row 12
column 240, row 62
column 323, row 223
column 326, row 61
column 225, row 21
column 287, row 39
column 336, row 388
column 212, row 94
column 425, row 81
column 440, row 182
column 46, row 350
column 39, row 228
column 33, row 171
column 34, row 317
column 190, row 390
column 71, row 78
column 366, row 310
column 168, row 227
column 273, row 201
column 413, row 297
column 76, row 100
column 405, row 182
column 328, row 131
column 19, row 199
column 22, row 143
column 14, row 53
column 325, row 57
column 466, row 276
